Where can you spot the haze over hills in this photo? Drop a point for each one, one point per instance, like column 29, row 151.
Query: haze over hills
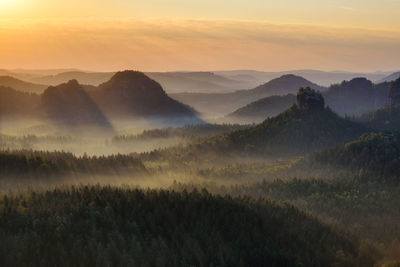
column 8, row 81
column 258, row 110
column 14, row 104
column 353, row 98
column 390, row 78
column 172, row 82
column 324, row 78
column 127, row 95
column 357, row 96
column 221, row 104
column 301, row 129
column 70, row 105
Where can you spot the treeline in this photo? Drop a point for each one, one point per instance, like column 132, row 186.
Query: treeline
column 106, row 226
column 29, row 163
column 185, row 132
column 29, row 140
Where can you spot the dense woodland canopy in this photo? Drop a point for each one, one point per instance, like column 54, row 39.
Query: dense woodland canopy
column 106, row 226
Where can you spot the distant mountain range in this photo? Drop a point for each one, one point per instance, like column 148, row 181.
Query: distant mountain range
column 353, row 98
column 192, row 81
column 172, row 82
column 324, row 78
column 9, row 81
column 127, row 95
column 390, row 78
column 228, row 102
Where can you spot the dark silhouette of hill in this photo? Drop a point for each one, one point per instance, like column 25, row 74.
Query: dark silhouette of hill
column 387, row 117
column 70, row 104
column 351, row 98
column 8, row 81
column 228, row 102
column 133, row 94
column 95, row 225
column 357, row 96
column 258, row 110
column 14, row 104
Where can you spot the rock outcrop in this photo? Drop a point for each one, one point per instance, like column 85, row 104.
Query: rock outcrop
column 309, row 99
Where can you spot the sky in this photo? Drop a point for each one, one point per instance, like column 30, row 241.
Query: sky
column 167, row 35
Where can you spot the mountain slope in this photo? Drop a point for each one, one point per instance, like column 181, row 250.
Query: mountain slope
column 263, row 108
column 69, row 104
column 228, row 102
column 356, row 96
column 373, row 153
column 391, row 77
column 15, row 104
column 296, row 131
column 133, row 94
column 8, row 81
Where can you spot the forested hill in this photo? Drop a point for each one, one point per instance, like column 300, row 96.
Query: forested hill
column 229, row 102
column 66, row 227
column 295, row 131
column 263, row 108
column 376, row 154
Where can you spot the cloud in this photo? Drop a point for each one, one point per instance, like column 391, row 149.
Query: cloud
column 193, row 44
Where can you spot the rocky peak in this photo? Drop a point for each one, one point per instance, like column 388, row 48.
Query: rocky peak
column 309, row 99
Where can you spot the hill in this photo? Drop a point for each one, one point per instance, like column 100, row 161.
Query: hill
column 266, row 107
column 295, row 131
column 375, row 154
column 356, row 96
column 390, row 78
column 14, row 104
column 172, row 82
column 8, row 81
column 130, row 94
column 301, row 129
column 70, row 104
column 92, row 78
column 350, row 98
column 387, row 117
column 229, row 102
column 64, row 227
column 324, row 78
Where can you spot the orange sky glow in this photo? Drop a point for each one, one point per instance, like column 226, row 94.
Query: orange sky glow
column 58, row 34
